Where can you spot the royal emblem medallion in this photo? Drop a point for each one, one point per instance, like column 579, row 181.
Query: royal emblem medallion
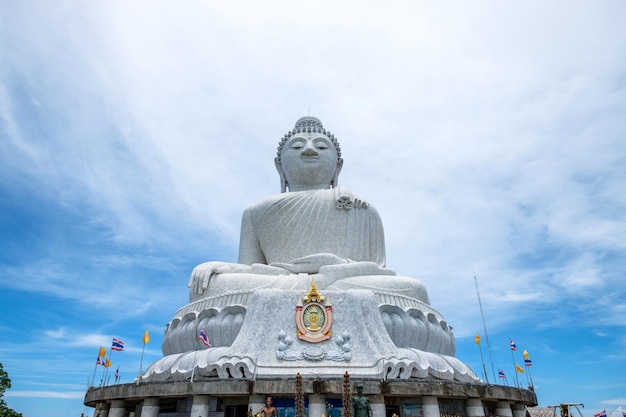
column 314, row 316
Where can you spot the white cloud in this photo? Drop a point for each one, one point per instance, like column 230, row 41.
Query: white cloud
column 616, row 401
column 69, row 395
column 55, row 334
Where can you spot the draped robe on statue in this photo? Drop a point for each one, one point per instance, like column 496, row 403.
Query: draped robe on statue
column 296, row 224
column 344, row 232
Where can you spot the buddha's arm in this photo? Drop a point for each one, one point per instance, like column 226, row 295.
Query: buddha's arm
column 249, row 247
column 201, row 276
column 251, row 260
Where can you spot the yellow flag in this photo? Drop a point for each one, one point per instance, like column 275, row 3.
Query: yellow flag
column 519, row 369
column 107, row 364
column 526, row 354
column 103, row 352
column 477, row 339
column 146, row 337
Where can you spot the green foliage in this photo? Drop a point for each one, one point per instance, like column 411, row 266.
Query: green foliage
column 5, row 384
column 7, row 412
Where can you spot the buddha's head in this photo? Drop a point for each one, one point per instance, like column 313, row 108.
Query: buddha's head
column 309, row 157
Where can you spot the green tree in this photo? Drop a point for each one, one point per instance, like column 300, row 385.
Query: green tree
column 5, row 384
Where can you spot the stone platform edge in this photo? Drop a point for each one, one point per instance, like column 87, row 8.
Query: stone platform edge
column 287, row 387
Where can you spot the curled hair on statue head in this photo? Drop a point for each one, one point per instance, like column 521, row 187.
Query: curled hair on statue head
column 308, row 124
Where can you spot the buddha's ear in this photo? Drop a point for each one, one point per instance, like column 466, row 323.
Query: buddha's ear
column 335, row 181
column 281, row 173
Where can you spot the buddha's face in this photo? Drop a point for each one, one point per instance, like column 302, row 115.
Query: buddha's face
column 309, row 161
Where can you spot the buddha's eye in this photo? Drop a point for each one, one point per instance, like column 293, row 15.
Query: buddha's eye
column 297, row 144
column 321, row 144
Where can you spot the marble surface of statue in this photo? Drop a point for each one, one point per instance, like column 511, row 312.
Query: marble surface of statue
column 314, row 235
column 313, row 227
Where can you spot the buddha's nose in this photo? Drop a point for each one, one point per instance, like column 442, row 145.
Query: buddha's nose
column 309, row 152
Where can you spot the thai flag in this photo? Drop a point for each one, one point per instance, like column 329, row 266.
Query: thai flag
column 117, row 345
column 117, row 373
column 100, row 361
column 528, row 362
column 205, row 339
column 600, row 414
column 501, row 374
column 512, row 343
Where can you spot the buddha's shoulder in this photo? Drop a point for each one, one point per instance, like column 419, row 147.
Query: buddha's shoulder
column 335, row 196
column 268, row 202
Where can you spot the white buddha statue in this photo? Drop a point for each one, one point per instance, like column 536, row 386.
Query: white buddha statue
column 312, row 227
column 312, row 232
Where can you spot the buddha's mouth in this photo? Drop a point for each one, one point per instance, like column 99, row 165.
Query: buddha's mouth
column 309, row 158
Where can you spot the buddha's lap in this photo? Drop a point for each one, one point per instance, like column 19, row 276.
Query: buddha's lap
column 228, row 283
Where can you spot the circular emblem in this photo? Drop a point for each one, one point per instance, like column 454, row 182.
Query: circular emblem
column 314, row 317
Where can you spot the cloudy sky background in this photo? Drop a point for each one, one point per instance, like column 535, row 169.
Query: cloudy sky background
column 491, row 136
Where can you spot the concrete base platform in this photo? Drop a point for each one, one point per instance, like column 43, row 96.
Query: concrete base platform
column 432, row 397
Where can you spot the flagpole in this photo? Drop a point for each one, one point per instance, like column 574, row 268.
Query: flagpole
column 93, row 378
column 526, row 367
column 532, row 385
column 481, row 358
column 527, row 364
column 102, row 377
column 106, row 368
column 101, row 354
column 195, row 362
column 514, row 368
column 104, row 371
column 527, row 379
column 141, row 361
column 146, row 339
column 193, row 371
column 502, row 375
column 482, row 314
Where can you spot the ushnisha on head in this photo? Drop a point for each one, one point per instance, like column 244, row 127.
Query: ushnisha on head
column 309, row 157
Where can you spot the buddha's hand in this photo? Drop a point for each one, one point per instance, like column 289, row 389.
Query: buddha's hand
column 311, row 264
column 201, row 274
column 262, row 269
column 258, row 269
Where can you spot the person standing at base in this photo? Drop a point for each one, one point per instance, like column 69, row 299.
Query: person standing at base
column 360, row 404
column 269, row 410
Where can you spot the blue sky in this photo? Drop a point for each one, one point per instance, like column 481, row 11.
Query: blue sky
column 491, row 137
